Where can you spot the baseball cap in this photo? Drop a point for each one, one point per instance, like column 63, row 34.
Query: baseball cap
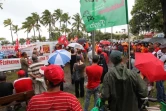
column 54, row 74
column 116, row 56
column 21, row 72
column 163, row 46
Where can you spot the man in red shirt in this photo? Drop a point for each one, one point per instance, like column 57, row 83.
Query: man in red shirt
column 94, row 73
column 22, row 84
column 54, row 99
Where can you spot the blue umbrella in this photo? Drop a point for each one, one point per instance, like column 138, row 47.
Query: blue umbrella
column 59, row 57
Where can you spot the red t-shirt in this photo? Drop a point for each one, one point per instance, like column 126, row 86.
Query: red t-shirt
column 56, row 101
column 94, row 73
column 23, row 85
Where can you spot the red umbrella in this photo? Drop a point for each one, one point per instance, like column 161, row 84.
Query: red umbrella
column 105, row 42
column 150, row 66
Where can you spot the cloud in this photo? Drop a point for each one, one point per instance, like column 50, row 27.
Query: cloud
column 18, row 10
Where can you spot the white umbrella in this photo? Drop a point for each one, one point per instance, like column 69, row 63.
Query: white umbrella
column 76, row 46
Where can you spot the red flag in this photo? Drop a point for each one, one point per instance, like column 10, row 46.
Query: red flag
column 17, row 45
column 62, row 39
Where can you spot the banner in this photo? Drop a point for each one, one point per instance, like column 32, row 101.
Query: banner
column 99, row 14
column 10, row 64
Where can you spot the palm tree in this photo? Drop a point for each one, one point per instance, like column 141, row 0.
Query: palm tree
column 6, row 23
column 47, row 20
column 22, row 40
column 1, row 5
column 66, row 19
column 25, row 26
column 36, row 19
column 64, row 29
column 15, row 29
column 58, row 15
column 77, row 24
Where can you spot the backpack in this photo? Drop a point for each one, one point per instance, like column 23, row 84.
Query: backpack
column 102, row 63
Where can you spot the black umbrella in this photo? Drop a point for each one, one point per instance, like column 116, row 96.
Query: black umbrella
column 160, row 40
column 81, row 41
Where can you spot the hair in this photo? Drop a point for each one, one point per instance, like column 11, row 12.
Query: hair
column 23, row 54
column 51, row 84
column 79, row 52
column 78, row 58
column 34, row 58
column 95, row 59
column 2, row 76
column 72, row 51
column 116, row 60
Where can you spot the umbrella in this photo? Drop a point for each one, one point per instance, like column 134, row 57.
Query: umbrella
column 59, row 57
column 158, row 40
column 76, row 46
column 105, row 42
column 150, row 66
column 125, row 43
column 145, row 40
column 81, row 41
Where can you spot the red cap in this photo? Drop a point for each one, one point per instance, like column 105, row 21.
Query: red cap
column 54, row 74
column 21, row 72
column 99, row 51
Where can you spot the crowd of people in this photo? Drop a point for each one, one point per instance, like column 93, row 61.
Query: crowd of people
column 121, row 87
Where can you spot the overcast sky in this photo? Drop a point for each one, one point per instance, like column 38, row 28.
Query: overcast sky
column 18, row 10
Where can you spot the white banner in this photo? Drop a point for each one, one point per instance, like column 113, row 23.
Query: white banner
column 10, row 64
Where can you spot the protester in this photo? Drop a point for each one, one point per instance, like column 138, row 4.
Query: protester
column 80, row 54
column 34, row 73
column 79, row 71
column 22, row 84
column 54, row 99
column 161, row 96
column 94, row 73
column 6, row 88
column 24, row 63
column 102, row 63
column 72, row 62
column 121, row 87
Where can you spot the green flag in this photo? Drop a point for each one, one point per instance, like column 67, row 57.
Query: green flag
column 98, row 14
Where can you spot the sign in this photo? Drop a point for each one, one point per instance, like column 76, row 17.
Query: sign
column 99, row 14
column 8, row 52
column 10, row 64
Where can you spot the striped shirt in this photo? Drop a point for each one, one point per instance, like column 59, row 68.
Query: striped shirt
column 57, row 101
column 34, row 68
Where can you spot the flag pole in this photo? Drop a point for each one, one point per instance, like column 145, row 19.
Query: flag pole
column 93, row 43
column 111, row 33
column 127, row 21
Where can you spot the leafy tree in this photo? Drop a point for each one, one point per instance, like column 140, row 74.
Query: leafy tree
column 163, row 4
column 22, row 40
column 43, row 39
column 2, row 38
column 47, row 20
column 77, row 24
column 5, row 42
column 148, row 16
column 9, row 23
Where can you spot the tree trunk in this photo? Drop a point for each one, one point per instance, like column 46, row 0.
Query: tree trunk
column 39, row 36
column 11, row 33
column 163, row 3
column 34, row 31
